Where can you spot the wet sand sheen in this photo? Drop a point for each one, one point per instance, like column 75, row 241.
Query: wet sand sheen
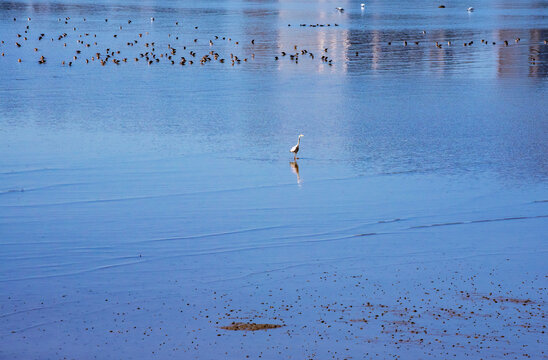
column 149, row 205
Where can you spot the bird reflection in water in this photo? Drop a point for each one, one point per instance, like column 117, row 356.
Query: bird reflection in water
column 295, row 169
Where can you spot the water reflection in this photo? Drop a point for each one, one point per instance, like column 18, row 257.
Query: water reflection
column 538, row 53
column 295, row 168
column 525, row 54
column 396, row 122
column 447, row 52
column 358, row 45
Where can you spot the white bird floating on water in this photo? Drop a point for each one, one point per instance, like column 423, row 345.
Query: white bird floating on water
column 295, row 149
column 470, row 9
column 340, row 9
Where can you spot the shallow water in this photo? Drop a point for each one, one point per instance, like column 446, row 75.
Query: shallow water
column 142, row 207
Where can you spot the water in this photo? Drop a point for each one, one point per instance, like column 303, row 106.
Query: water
column 140, row 204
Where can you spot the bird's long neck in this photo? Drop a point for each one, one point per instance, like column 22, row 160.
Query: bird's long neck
column 299, row 141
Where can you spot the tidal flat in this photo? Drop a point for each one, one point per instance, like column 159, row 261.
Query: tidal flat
column 150, row 207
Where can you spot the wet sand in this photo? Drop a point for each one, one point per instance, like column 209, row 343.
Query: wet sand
column 429, row 284
column 151, row 208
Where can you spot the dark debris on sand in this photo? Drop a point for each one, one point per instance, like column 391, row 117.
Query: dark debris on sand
column 250, row 326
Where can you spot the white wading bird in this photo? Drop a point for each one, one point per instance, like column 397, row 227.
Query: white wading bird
column 295, row 149
column 340, row 9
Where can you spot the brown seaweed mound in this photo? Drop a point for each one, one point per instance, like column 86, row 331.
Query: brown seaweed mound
column 250, row 326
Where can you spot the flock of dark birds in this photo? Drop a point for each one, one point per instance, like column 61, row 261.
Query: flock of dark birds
column 150, row 55
column 150, row 52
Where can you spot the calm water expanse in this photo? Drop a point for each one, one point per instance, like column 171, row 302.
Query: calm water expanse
column 143, row 207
